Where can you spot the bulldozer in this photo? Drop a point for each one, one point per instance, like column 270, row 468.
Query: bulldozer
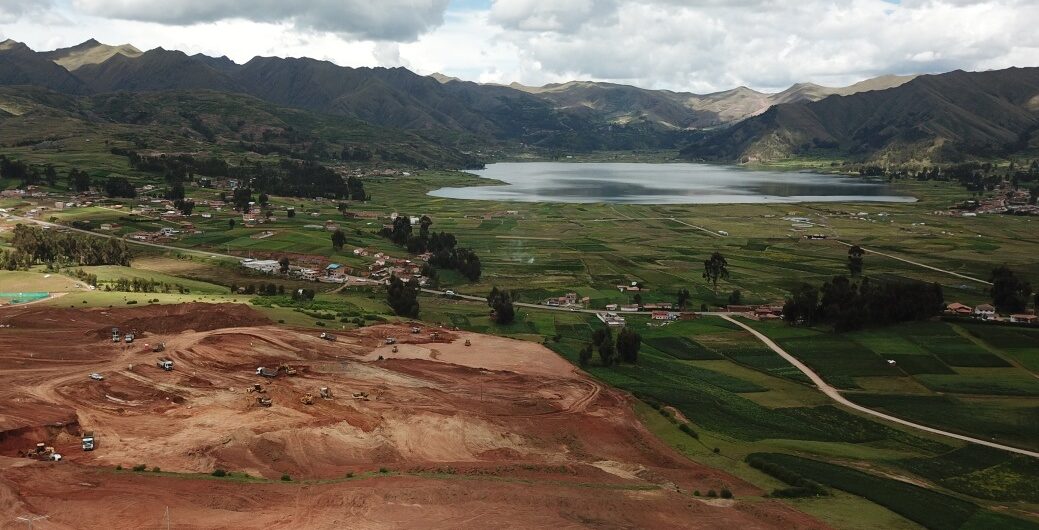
column 257, row 388
column 363, row 396
column 468, row 342
column 263, row 401
column 325, row 392
column 395, row 350
column 287, row 370
column 160, row 347
column 307, row 399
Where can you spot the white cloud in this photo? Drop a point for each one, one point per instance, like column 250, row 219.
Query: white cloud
column 690, row 45
column 401, row 20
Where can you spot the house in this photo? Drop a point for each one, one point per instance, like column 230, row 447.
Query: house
column 335, row 271
column 610, row 319
column 1024, row 319
column 957, row 308
column 167, row 231
column 331, row 226
column 985, row 312
column 740, row 308
column 267, row 266
column 611, row 307
column 631, row 308
column 658, row 307
column 664, row 315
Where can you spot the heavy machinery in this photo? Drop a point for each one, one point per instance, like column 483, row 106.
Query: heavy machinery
column 288, row 370
column 415, row 330
column 391, row 340
column 468, row 342
column 128, row 338
column 328, row 336
column 307, row 399
column 160, row 347
column 363, row 396
column 116, row 335
column 263, row 401
column 325, row 392
column 97, row 377
column 165, row 364
column 395, row 349
column 89, row 441
column 266, row 372
column 258, row 388
column 41, row 452
column 435, row 335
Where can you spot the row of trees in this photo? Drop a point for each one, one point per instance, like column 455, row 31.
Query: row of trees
column 28, row 175
column 33, row 245
column 1010, row 294
column 849, row 306
column 442, row 246
column 402, row 296
column 624, row 349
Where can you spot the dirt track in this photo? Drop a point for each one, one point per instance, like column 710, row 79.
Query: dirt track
column 502, row 433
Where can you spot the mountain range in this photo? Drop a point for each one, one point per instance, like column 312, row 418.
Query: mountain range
column 890, row 117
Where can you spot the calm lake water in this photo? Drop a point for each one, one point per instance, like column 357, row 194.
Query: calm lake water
column 665, row 184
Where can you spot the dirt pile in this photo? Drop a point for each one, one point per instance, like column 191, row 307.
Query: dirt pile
column 451, row 430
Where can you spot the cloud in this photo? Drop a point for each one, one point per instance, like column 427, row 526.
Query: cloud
column 391, row 20
column 12, row 10
column 707, row 45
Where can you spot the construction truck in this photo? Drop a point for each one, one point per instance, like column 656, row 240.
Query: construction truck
column 468, row 342
column 391, row 340
column 307, row 399
column 116, row 336
column 165, row 364
column 41, row 452
column 160, row 347
column 415, row 330
column 89, row 441
column 257, row 388
column 288, row 370
column 328, row 336
column 128, row 338
column 326, row 393
column 395, row 350
column 363, row 396
column 263, row 401
column 266, row 372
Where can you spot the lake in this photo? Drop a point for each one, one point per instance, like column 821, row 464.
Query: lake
column 639, row 183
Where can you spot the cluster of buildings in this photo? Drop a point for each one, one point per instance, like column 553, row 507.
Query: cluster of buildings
column 569, row 300
column 987, row 312
column 1006, row 200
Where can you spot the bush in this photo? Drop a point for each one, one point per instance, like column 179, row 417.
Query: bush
column 219, row 473
column 286, row 478
column 726, row 494
column 712, row 494
column 696, row 493
column 131, row 302
column 801, row 486
column 688, row 430
column 717, row 451
column 319, row 324
column 119, row 467
column 156, row 469
column 140, row 467
column 383, row 470
column 350, row 475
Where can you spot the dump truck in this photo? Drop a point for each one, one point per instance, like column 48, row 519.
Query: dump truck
column 89, row 441
column 116, row 336
column 266, row 372
column 165, row 364
column 263, row 401
column 128, row 338
column 328, row 336
column 160, row 347
column 391, row 340
column 97, row 377
column 415, row 330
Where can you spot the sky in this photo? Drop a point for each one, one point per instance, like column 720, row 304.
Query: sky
column 697, row 46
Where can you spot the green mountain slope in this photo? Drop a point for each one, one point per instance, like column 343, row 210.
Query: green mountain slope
column 942, row 117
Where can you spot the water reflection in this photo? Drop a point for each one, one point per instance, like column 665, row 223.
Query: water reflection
column 665, row 184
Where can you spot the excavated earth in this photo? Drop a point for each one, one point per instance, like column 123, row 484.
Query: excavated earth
column 500, row 433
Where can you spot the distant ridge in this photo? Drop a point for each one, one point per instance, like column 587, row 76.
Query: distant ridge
column 89, row 52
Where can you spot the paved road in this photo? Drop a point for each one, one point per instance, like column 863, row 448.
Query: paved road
column 483, row 299
column 918, row 264
column 835, row 395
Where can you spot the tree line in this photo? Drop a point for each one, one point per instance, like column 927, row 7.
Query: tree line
column 34, row 245
column 849, row 305
column 624, row 349
column 442, row 246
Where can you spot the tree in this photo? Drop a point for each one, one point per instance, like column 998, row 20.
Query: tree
column 338, row 240
column 683, row 297
column 284, row 263
column 628, row 344
column 230, row 224
column 637, row 299
column 185, row 207
column 735, row 297
column 176, row 193
column 585, row 355
column 424, row 223
column 603, row 341
column 715, row 268
column 403, row 297
column 79, row 180
column 50, row 175
column 802, row 305
column 264, row 200
column 501, row 302
column 1009, row 293
column 855, row 254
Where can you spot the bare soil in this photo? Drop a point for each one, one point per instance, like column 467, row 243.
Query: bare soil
column 500, row 433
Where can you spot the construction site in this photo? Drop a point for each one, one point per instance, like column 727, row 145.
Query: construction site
column 212, row 416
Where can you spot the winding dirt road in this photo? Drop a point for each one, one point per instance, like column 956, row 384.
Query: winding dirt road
column 835, row 395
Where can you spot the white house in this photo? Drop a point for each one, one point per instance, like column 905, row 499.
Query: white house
column 984, row 312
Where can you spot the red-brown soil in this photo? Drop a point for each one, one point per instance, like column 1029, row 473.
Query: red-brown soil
column 501, row 433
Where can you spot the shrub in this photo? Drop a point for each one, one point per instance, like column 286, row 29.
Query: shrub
column 696, row 493
column 156, row 469
column 281, row 320
column 383, row 470
column 286, row 478
column 219, row 473
column 350, row 475
column 726, row 494
column 717, row 451
column 688, row 430
column 119, row 467
column 319, row 323
column 131, row 302
column 140, row 467
column 712, row 494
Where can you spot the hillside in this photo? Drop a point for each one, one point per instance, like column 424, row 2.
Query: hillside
column 19, row 65
column 942, row 117
column 89, row 52
column 156, row 69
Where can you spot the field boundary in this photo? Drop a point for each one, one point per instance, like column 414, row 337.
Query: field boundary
column 835, row 395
